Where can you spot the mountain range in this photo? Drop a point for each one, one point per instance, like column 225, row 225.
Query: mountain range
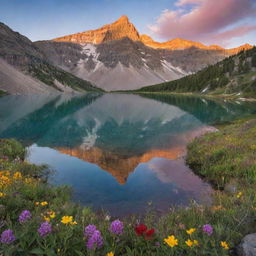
column 233, row 76
column 113, row 57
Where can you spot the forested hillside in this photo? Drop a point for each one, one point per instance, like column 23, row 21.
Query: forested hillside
column 233, row 75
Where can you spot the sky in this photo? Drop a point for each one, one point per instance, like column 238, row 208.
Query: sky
column 228, row 23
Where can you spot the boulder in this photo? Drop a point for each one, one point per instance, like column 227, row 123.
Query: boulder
column 247, row 247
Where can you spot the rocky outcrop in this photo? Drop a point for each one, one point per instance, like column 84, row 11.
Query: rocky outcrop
column 248, row 246
column 125, row 64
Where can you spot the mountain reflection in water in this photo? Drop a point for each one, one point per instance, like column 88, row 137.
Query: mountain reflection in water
column 117, row 151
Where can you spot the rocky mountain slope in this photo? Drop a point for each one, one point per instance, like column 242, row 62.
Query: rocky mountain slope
column 235, row 75
column 115, row 31
column 117, row 57
column 24, row 69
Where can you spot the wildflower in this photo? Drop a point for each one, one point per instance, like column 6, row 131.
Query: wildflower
column 89, row 230
column 140, row 229
column 51, row 214
column 44, row 203
column 73, row 223
column 116, row 227
column 149, row 233
column 67, row 219
column 189, row 243
column 110, row 254
column 171, row 241
column 25, row 216
column 195, row 242
column 37, row 203
column 17, row 175
column 190, row 231
column 239, row 195
column 45, row 229
column 7, row 237
column 95, row 241
column 208, row 229
column 107, row 218
column 2, row 194
column 224, row 245
column 47, row 218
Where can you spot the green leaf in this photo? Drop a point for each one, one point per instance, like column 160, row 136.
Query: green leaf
column 37, row 251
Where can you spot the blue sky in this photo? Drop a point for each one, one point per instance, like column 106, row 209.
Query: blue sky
column 47, row 19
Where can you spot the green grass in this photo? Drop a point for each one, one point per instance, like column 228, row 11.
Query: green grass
column 2, row 93
column 232, row 213
column 226, row 155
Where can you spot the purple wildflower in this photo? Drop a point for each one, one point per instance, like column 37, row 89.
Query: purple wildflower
column 95, row 241
column 208, row 229
column 89, row 230
column 25, row 216
column 116, row 227
column 45, row 229
column 7, row 237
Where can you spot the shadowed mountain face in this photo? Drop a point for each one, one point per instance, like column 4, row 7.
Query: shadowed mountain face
column 121, row 150
column 24, row 69
column 117, row 57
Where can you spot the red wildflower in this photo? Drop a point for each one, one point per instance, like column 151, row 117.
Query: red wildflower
column 140, row 229
column 149, row 233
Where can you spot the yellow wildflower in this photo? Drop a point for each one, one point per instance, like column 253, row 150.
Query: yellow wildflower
column 44, row 203
column 47, row 218
column 195, row 242
column 239, row 194
column 52, row 215
column 37, row 203
column 67, row 219
column 224, row 245
column 189, row 243
column 2, row 194
column 190, row 231
column 73, row 223
column 17, row 175
column 28, row 180
column 110, row 254
column 171, row 241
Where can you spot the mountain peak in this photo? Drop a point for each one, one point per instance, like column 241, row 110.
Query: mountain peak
column 123, row 18
column 110, row 32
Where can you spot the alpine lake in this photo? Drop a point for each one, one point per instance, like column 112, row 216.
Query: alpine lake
column 121, row 153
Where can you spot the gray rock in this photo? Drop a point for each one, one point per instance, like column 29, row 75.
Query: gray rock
column 247, row 246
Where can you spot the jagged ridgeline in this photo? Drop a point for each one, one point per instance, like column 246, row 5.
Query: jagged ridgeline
column 233, row 75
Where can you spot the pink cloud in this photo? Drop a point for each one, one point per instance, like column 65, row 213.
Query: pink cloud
column 186, row 2
column 204, row 20
column 225, row 37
